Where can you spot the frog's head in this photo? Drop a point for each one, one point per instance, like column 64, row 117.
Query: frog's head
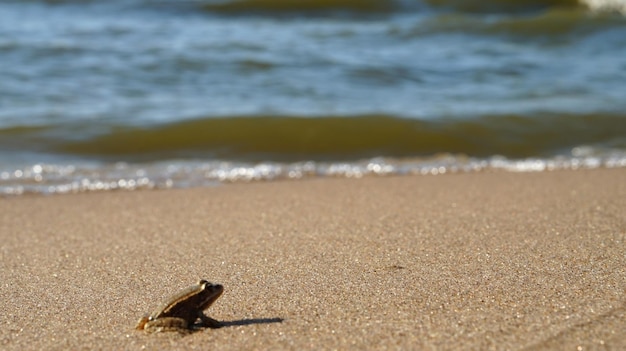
column 209, row 292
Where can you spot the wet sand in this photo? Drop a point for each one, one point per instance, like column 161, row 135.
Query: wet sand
column 464, row 261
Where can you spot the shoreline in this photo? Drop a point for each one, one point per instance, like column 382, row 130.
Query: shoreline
column 462, row 261
column 79, row 177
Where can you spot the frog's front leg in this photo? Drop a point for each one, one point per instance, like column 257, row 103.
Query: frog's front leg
column 209, row 322
column 166, row 324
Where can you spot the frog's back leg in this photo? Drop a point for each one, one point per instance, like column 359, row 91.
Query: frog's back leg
column 167, row 324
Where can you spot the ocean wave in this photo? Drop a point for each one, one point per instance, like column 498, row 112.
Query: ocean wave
column 502, row 6
column 290, row 139
column 362, row 6
column 555, row 23
column 522, row 6
column 384, row 6
column 301, row 6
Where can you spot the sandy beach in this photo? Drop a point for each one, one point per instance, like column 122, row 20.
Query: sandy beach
column 502, row 261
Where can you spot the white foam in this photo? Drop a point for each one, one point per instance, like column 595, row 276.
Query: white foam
column 607, row 5
column 59, row 179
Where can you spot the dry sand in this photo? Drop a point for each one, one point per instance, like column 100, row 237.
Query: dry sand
column 466, row 261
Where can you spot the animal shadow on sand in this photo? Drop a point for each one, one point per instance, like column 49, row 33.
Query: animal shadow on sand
column 250, row 321
column 239, row 322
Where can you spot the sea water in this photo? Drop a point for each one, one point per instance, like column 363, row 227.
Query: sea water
column 131, row 94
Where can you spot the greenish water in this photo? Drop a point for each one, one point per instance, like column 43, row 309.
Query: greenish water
column 142, row 94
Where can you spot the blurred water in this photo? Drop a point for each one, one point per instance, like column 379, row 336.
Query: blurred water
column 75, row 73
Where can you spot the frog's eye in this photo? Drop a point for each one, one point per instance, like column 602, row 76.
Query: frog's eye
column 202, row 282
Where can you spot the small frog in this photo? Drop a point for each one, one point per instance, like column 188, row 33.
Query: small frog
column 181, row 311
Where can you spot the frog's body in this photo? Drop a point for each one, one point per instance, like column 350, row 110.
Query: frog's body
column 181, row 311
